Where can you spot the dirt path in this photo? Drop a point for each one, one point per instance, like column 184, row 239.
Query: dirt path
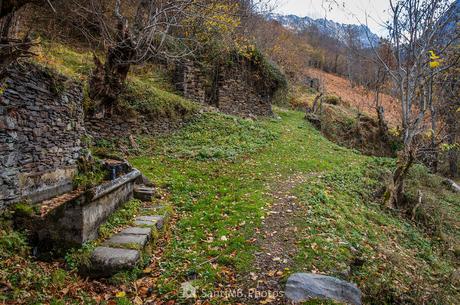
column 277, row 240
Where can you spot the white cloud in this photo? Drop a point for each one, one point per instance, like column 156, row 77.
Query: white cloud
column 350, row 11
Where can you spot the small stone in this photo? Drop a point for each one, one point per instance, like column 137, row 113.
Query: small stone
column 301, row 287
column 106, row 261
column 127, row 239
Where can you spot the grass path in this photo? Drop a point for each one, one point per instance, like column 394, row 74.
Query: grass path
column 220, row 170
column 277, row 243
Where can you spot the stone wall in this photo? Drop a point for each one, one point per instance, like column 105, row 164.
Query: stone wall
column 41, row 127
column 233, row 89
column 118, row 127
column 190, row 79
column 238, row 93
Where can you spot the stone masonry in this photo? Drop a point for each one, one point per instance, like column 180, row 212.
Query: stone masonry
column 41, row 128
column 238, row 94
column 235, row 90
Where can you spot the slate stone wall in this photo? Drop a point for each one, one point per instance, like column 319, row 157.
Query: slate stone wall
column 190, row 80
column 238, row 93
column 233, row 89
column 118, row 128
column 41, row 128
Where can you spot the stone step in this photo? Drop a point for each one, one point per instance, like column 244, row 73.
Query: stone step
column 137, row 231
column 153, row 209
column 137, row 241
column 114, row 256
column 106, row 261
column 150, row 221
column 144, row 193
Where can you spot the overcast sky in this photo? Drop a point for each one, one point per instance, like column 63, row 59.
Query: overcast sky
column 349, row 12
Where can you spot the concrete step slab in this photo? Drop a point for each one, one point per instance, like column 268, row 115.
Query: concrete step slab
column 155, row 220
column 137, row 231
column 106, row 261
column 144, row 193
column 153, row 209
column 127, row 239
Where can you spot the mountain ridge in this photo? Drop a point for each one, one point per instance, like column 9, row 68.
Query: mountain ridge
column 328, row 27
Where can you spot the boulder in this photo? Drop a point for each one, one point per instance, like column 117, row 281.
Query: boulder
column 301, row 287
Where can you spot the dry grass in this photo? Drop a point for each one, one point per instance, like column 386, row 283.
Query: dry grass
column 356, row 97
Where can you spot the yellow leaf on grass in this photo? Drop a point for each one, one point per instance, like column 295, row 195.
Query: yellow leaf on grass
column 148, row 270
column 120, row 294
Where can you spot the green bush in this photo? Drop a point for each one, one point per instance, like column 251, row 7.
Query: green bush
column 12, row 243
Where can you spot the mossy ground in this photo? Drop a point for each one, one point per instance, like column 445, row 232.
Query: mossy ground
column 220, row 200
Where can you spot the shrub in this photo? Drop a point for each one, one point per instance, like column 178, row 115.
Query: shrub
column 332, row 99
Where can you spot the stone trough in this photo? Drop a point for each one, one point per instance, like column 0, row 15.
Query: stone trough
column 74, row 218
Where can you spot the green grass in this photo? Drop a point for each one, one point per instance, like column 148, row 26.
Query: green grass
column 143, row 97
column 221, row 198
column 213, row 136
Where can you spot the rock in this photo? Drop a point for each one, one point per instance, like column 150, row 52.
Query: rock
column 106, row 261
column 156, row 220
column 127, row 239
column 453, row 185
column 143, row 192
column 153, row 209
column 301, row 287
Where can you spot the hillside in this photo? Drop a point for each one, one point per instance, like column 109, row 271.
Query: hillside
column 356, row 97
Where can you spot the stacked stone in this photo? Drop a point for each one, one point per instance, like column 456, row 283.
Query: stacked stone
column 194, row 83
column 119, row 127
column 41, row 126
column 238, row 94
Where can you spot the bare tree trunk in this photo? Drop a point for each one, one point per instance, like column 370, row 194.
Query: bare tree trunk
column 11, row 47
column 383, row 127
column 10, row 6
column 394, row 197
column 316, row 102
column 452, row 154
column 108, row 80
